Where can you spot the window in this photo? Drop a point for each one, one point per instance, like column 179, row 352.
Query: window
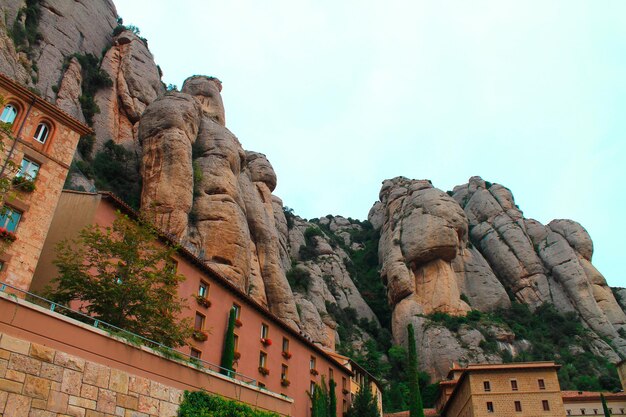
column 265, row 331
column 203, row 289
column 487, row 386
column 514, row 385
column 331, row 375
column 489, row 407
column 236, row 338
column 569, row 412
column 9, row 218
column 237, row 309
column 285, row 344
column 262, row 359
column 621, row 410
column 171, row 266
column 312, row 387
column 284, row 371
column 28, row 169
column 546, row 405
column 542, row 384
column 9, row 113
column 199, row 322
column 582, row 411
column 595, row 411
column 41, row 134
column 261, row 385
column 344, row 407
column 312, row 363
column 518, row 406
column 344, row 382
column 195, row 353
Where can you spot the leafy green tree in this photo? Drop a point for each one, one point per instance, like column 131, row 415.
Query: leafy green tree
column 364, row 404
column 319, row 400
column 416, row 409
column 122, row 276
column 228, row 354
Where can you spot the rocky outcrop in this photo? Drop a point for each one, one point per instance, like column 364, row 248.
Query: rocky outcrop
column 13, row 64
column 466, row 249
column 70, row 90
column 67, row 28
column 136, row 84
column 204, row 189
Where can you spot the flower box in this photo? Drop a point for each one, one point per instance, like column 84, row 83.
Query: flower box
column 238, row 323
column 285, row 382
column 263, row 370
column 203, row 301
column 345, row 391
column 237, row 356
column 266, row 341
column 200, row 336
column 6, row 235
column 286, row 355
column 314, row 372
column 24, row 184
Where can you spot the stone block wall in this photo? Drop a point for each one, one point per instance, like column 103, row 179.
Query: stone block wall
column 38, row 381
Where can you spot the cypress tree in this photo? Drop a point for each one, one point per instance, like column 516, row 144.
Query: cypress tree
column 416, row 408
column 332, row 399
column 364, row 404
column 228, row 354
column 605, row 407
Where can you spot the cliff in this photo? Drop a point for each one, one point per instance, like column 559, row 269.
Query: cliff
column 462, row 266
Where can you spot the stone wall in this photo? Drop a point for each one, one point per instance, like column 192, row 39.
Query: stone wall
column 38, row 381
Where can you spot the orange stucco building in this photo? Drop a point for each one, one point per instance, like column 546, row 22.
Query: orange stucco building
column 36, row 155
column 514, row 389
column 278, row 357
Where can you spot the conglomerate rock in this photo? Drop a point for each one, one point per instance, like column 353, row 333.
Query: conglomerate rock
column 205, row 190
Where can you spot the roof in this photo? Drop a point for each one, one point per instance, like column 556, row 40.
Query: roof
column 25, row 93
column 431, row 412
column 515, row 366
column 204, row 267
column 575, row 396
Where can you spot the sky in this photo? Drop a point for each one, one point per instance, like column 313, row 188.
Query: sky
column 341, row 95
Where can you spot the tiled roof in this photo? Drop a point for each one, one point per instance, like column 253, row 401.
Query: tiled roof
column 591, row 395
column 431, row 412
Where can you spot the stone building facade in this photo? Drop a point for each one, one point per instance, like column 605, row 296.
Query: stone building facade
column 37, row 154
column 585, row 403
column 516, row 389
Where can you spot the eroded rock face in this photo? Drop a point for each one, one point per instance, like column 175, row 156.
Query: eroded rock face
column 438, row 251
column 136, row 84
column 203, row 188
column 70, row 90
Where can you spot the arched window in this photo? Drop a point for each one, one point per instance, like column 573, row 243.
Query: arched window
column 41, row 134
column 9, row 113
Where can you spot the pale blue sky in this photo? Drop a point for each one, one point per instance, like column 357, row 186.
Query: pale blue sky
column 341, row 95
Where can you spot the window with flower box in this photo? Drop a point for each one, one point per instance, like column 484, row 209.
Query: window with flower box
column 9, row 220
column 198, row 328
column 24, row 180
column 263, row 370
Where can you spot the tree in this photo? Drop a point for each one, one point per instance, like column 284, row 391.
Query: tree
column 319, row 400
column 605, row 408
column 332, row 398
column 228, row 354
column 124, row 277
column 364, row 404
column 416, row 408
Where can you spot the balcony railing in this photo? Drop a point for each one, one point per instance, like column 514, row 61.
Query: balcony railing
column 130, row 337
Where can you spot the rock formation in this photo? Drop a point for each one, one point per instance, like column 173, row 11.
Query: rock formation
column 204, row 189
column 449, row 253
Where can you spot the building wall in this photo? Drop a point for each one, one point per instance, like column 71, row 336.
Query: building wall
column 54, row 157
column 52, row 364
column 503, row 397
column 462, row 404
column 591, row 407
column 222, row 299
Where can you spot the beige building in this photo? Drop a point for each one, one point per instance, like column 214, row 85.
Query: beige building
column 515, row 389
column 584, row 403
column 36, row 155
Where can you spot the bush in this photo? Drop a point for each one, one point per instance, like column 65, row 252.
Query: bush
column 85, row 145
column 116, row 169
column 203, row 404
column 299, row 279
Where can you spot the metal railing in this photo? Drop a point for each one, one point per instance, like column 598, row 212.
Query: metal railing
column 130, row 337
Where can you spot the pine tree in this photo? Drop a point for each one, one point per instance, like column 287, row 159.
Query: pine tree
column 416, row 408
column 228, row 354
column 332, row 399
column 605, row 407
